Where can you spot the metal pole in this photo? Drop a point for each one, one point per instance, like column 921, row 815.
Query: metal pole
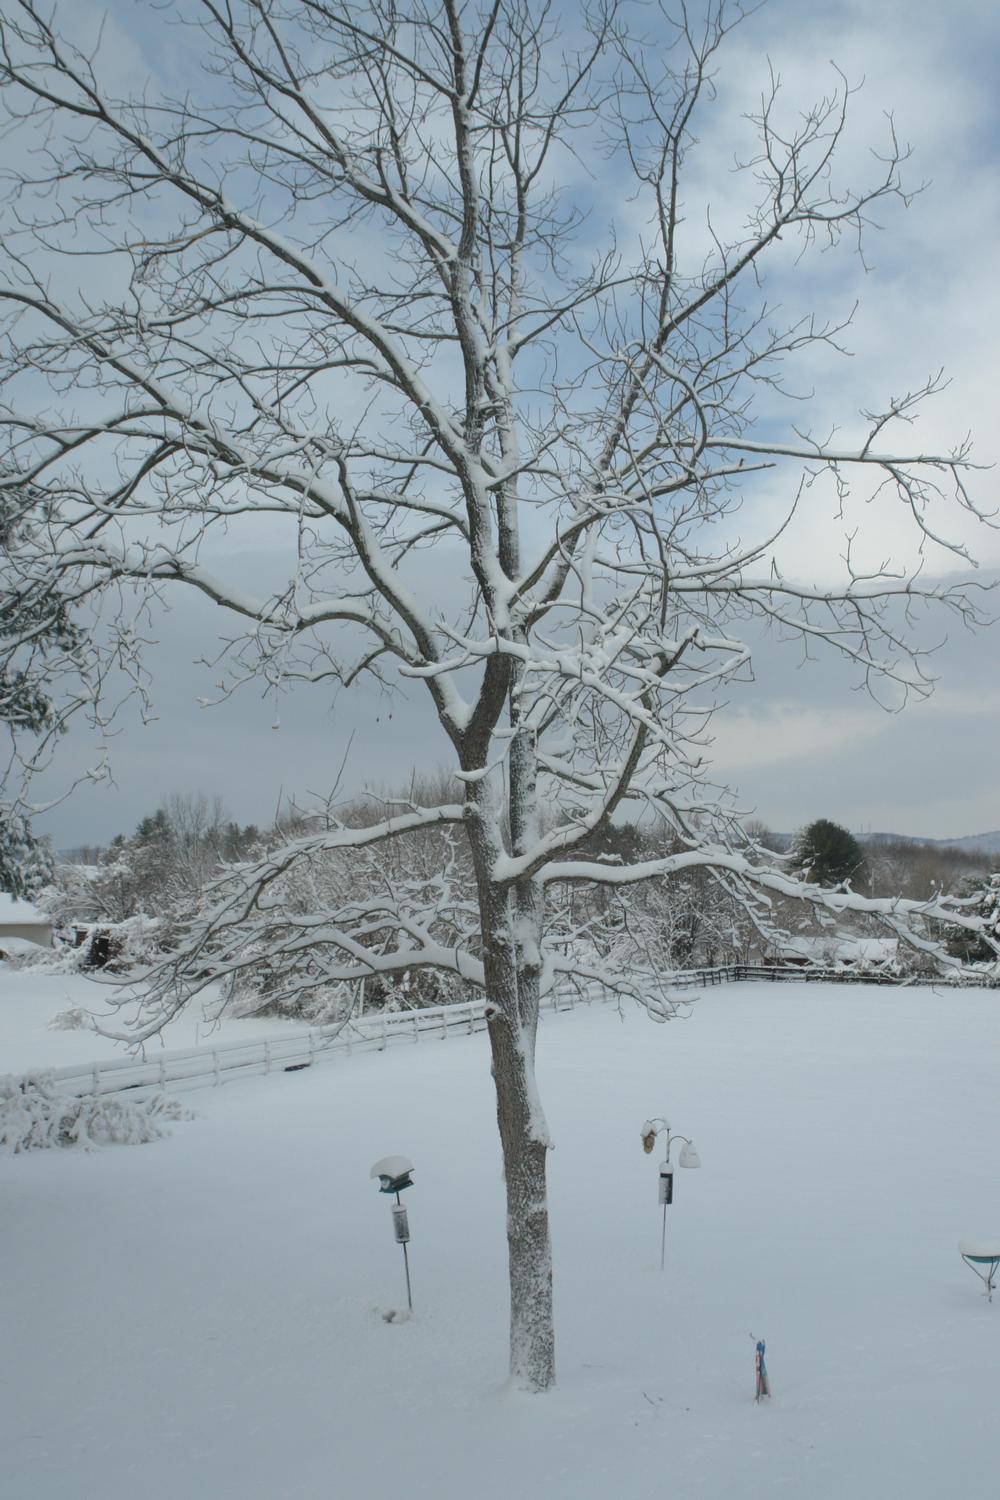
column 406, row 1265
column 663, row 1238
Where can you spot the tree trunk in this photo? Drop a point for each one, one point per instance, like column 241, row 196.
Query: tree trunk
column 524, row 1141
column 511, row 921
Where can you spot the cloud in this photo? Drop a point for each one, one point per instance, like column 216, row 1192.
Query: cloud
column 797, row 742
column 779, row 732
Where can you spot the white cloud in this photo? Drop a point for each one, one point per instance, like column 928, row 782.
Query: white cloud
column 781, row 731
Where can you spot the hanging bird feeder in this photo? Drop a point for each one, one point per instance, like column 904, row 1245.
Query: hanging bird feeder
column 394, row 1173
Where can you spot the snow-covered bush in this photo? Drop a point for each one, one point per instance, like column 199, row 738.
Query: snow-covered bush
column 259, row 991
column 34, row 1116
column 74, row 1018
column 118, row 947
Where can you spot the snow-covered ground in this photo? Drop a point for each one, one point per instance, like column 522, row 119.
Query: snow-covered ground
column 202, row 1317
column 30, row 998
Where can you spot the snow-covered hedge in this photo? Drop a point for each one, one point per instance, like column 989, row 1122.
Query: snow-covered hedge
column 35, row 1116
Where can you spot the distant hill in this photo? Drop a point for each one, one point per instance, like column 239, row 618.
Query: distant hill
column 972, row 843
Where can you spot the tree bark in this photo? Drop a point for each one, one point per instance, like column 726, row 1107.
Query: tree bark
column 524, row 1143
column 511, row 924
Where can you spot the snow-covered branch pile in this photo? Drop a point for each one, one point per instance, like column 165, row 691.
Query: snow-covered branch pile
column 35, row 1116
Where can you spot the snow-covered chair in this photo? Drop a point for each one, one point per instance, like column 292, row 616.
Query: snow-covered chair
column 985, row 1253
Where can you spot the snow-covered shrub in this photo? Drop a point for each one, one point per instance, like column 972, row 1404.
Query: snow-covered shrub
column 414, row 989
column 74, row 1018
column 118, row 947
column 34, row 1116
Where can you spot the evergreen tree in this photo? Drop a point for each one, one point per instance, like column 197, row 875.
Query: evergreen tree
column 32, row 622
column 971, row 947
column 828, row 854
column 25, row 863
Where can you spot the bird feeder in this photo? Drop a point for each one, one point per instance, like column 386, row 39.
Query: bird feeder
column 394, row 1173
column 983, row 1257
column 666, row 1183
column 688, row 1157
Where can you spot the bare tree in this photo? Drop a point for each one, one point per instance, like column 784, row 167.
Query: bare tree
column 349, row 296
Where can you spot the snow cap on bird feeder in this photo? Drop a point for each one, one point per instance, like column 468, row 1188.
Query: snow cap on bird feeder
column 393, row 1173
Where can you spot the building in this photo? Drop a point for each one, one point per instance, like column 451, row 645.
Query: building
column 21, row 923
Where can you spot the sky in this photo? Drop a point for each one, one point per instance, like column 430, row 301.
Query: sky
column 798, row 742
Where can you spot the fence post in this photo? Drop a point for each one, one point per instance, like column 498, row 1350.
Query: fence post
column 267, row 1056
column 97, row 1079
column 163, row 1073
column 215, row 1066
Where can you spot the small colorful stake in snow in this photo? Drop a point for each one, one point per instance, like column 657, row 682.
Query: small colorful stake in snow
column 763, row 1384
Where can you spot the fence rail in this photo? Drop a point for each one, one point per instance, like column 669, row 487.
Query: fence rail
column 204, row 1066
column 198, row 1067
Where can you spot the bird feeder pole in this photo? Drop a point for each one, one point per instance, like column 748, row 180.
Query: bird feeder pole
column 401, row 1226
column 649, row 1130
column 393, row 1173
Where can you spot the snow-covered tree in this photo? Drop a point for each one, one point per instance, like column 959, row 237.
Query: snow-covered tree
column 25, row 862
column 829, row 854
column 159, row 873
column 369, row 889
column 357, row 294
column 36, row 621
column 982, row 897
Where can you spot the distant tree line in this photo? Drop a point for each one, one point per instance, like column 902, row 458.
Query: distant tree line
column 156, row 874
column 901, row 867
column 136, row 896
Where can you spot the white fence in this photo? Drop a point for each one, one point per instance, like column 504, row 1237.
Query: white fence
column 198, row 1067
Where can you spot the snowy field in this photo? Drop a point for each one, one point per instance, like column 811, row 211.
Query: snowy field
column 202, row 1317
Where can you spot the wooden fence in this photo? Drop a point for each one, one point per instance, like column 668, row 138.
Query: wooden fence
column 207, row 1065
column 198, row 1067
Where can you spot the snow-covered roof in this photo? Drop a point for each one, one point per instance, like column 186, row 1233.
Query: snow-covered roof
column 21, row 912
column 16, row 947
column 842, row 949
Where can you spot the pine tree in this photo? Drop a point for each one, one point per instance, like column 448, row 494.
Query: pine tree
column 31, row 623
column 972, row 947
column 828, row 854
